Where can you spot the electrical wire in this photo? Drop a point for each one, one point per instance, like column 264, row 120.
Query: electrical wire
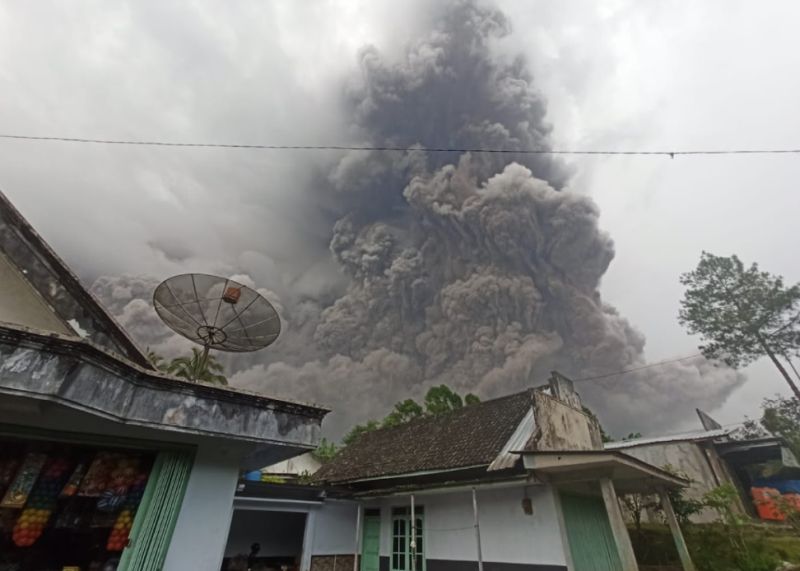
column 643, row 367
column 665, row 153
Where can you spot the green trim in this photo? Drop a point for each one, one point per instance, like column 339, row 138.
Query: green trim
column 158, row 513
column 405, row 553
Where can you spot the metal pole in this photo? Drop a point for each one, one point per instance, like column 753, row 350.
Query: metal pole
column 477, row 529
column 358, row 537
column 413, row 536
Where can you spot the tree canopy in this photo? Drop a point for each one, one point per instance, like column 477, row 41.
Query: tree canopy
column 438, row 400
column 741, row 313
column 191, row 367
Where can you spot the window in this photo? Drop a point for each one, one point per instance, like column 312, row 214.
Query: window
column 402, row 551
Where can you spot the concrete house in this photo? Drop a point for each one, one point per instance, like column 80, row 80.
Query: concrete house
column 105, row 461
column 516, row 483
column 711, row 457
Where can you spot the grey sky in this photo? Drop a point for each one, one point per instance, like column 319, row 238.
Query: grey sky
column 619, row 75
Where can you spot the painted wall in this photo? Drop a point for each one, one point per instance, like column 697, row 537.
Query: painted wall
column 280, row 534
column 21, row 304
column 507, row 534
column 688, row 458
column 335, row 528
column 562, row 427
column 302, row 464
column 198, row 542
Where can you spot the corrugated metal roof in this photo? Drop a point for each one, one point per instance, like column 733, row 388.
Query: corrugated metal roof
column 684, row 436
column 506, row 458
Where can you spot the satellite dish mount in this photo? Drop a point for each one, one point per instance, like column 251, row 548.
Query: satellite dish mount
column 216, row 313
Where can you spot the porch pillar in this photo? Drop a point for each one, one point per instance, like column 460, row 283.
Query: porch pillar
column 677, row 534
column 618, row 527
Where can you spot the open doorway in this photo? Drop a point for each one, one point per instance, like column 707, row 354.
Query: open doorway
column 265, row 541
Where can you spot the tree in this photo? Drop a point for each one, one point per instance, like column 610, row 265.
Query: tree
column 157, row 360
column 325, row 450
column 781, row 417
column 470, row 399
column 197, row 368
column 404, row 411
column 438, row 400
column 741, row 313
column 442, row 399
column 358, row 430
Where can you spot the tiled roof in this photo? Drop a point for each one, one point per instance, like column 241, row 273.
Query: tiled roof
column 471, row 436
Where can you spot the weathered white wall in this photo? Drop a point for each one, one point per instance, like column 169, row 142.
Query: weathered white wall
column 687, row 458
column 507, row 534
column 198, row 542
column 562, row 427
column 304, row 463
column 22, row 305
column 280, row 534
column 335, row 528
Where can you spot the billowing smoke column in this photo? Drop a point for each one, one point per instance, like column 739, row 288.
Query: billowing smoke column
column 479, row 271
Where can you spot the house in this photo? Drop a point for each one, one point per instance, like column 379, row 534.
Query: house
column 519, row 482
column 103, row 459
column 712, row 457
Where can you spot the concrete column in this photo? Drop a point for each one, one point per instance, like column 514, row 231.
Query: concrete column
column 618, row 527
column 677, row 534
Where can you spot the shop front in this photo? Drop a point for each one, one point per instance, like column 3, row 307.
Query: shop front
column 72, row 505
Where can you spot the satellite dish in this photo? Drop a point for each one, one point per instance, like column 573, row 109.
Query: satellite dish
column 217, row 313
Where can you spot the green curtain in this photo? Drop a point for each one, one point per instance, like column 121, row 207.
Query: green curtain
column 158, row 511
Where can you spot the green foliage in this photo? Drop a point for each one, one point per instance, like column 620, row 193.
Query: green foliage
column 441, row 399
column 683, row 506
column 157, row 360
column 358, row 430
column 632, row 436
column 438, row 400
column 738, row 310
column 402, row 412
column 470, row 399
column 781, row 417
column 744, row 551
column 195, row 368
column 325, row 451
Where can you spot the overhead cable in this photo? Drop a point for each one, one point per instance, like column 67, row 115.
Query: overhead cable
column 276, row 147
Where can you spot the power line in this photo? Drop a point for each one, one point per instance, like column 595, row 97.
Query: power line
column 663, row 153
column 643, row 367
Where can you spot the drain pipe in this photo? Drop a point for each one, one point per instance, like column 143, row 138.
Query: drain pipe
column 413, row 536
column 477, row 529
column 358, row 537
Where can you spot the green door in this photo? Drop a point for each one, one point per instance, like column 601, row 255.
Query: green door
column 591, row 542
column 371, row 543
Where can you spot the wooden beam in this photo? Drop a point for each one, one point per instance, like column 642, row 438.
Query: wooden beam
column 618, row 528
column 677, row 534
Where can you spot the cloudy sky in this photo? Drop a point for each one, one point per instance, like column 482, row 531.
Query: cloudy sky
column 620, row 75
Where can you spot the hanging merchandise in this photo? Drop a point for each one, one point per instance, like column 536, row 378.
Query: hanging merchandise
column 41, row 503
column 97, row 477
column 118, row 538
column 17, row 493
column 120, row 478
column 71, row 487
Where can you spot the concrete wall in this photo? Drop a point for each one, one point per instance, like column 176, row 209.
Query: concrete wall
column 562, row 427
column 509, row 537
column 20, row 303
column 688, row 458
column 280, row 534
column 335, row 528
column 198, row 542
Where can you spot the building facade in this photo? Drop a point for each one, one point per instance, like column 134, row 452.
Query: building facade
column 106, row 462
